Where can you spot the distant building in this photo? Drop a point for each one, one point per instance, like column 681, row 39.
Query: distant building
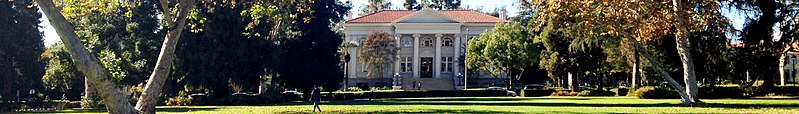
column 430, row 41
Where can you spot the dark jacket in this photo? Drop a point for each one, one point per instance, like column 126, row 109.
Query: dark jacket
column 316, row 95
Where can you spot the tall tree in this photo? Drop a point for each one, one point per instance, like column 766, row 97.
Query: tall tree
column 442, row 4
column 378, row 52
column 411, row 5
column 61, row 76
column 21, row 46
column 216, row 55
column 758, row 35
column 163, row 66
column 98, row 76
column 312, row 57
column 374, row 6
column 655, row 19
column 508, row 48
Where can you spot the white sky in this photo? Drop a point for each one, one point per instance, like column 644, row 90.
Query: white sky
column 50, row 36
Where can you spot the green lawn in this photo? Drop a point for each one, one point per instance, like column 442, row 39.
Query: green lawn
column 505, row 105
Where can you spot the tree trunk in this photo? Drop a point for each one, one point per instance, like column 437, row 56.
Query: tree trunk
column 572, row 82
column 87, row 63
column 691, row 86
column 264, row 84
column 781, row 68
column 636, row 68
column 89, row 93
column 152, row 90
column 648, row 57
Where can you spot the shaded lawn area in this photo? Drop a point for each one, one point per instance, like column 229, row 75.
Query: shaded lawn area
column 503, row 105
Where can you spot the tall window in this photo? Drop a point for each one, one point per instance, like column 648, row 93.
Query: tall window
column 361, row 40
column 446, row 64
column 447, row 42
column 428, row 41
column 406, row 64
column 363, row 67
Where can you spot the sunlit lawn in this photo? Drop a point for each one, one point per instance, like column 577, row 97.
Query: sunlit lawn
column 505, row 105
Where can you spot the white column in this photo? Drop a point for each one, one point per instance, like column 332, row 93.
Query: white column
column 456, row 56
column 353, row 65
column 398, row 38
column 437, row 57
column 416, row 58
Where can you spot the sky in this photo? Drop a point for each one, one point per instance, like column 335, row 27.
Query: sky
column 50, row 36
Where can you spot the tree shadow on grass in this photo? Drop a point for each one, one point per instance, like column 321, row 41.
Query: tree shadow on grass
column 102, row 110
column 466, row 103
column 431, row 111
column 457, row 99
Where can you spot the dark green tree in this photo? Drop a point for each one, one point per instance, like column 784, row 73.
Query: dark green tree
column 374, row 6
column 312, row 58
column 411, row 5
column 21, row 47
column 442, row 4
column 61, row 78
column 757, row 35
column 215, row 57
column 508, row 49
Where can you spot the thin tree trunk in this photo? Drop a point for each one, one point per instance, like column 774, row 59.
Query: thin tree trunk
column 87, row 63
column 782, row 65
column 152, row 90
column 648, row 57
column 89, row 93
column 691, row 86
column 572, row 82
column 636, row 68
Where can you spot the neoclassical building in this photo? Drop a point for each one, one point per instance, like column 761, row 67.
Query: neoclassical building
column 430, row 42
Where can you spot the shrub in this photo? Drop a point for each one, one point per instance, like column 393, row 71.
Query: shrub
column 435, row 93
column 291, row 96
column 178, row 101
column 92, row 101
column 342, row 95
column 564, row 93
column 251, row 99
column 655, row 93
column 536, row 93
column 412, row 94
column 721, row 92
column 354, row 89
column 597, row 92
column 621, row 91
column 774, row 91
column 381, row 88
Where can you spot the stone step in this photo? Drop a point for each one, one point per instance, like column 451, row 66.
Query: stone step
column 428, row 84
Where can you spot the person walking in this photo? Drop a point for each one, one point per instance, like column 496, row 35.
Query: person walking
column 419, row 86
column 316, row 96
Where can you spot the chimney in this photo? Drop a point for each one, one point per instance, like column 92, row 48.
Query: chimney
column 349, row 15
column 503, row 16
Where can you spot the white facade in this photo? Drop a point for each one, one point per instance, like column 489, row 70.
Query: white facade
column 430, row 44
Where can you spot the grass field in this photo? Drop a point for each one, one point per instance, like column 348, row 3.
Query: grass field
column 504, row 105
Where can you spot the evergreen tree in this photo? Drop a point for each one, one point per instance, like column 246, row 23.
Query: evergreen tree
column 312, row 58
column 21, row 47
column 411, row 5
column 374, row 6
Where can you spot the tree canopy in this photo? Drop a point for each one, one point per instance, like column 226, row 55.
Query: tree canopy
column 508, row 48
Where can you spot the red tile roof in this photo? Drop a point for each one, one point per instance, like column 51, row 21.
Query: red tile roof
column 387, row 16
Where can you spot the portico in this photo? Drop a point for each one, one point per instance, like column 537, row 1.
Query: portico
column 431, row 43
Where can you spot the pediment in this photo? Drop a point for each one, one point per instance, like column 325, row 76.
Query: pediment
column 427, row 16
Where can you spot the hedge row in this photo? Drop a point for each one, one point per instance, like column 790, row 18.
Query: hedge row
column 239, row 99
column 717, row 92
column 536, row 93
column 37, row 105
column 587, row 92
column 412, row 94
